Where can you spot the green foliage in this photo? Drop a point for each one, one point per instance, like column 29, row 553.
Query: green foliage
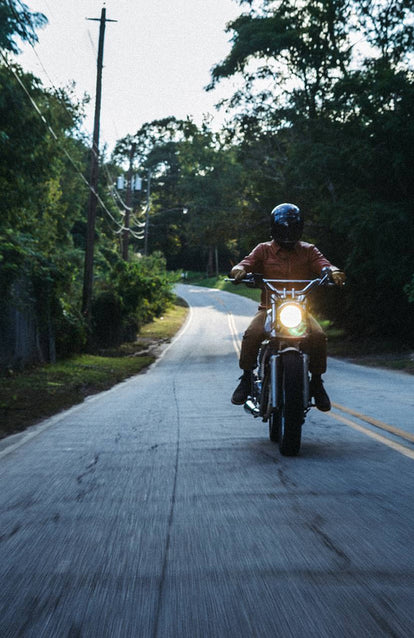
column 16, row 20
column 409, row 290
column 134, row 293
column 332, row 130
column 192, row 170
column 70, row 329
column 43, row 211
column 107, row 318
column 12, row 256
column 41, row 196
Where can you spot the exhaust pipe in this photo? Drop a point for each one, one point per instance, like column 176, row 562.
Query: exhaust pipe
column 251, row 408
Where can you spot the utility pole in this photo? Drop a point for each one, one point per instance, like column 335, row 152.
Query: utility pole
column 128, row 202
column 93, row 198
column 146, row 229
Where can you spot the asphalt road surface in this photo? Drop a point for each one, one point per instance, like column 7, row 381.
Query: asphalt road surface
column 158, row 509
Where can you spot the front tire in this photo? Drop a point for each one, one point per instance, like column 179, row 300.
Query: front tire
column 290, row 430
column 274, row 426
column 273, row 415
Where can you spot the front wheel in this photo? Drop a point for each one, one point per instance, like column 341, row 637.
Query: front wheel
column 274, row 426
column 268, row 411
column 290, row 428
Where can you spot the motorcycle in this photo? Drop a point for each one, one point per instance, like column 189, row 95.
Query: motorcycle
column 280, row 387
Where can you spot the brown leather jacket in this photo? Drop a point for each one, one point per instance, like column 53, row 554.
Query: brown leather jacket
column 272, row 261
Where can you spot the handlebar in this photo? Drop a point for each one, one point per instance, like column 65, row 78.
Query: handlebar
column 255, row 280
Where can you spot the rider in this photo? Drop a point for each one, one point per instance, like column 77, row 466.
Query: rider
column 285, row 257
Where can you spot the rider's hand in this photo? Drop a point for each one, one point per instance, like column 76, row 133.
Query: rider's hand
column 338, row 277
column 238, row 273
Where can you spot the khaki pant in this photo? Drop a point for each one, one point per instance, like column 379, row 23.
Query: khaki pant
column 314, row 345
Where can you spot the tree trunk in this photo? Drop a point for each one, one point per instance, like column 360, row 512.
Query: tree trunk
column 210, row 262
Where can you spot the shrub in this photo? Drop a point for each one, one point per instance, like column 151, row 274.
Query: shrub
column 70, row 330
column 133, row 295
column 107, row 319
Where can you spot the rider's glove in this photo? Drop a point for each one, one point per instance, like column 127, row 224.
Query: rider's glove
column 338, row 277
column 238, row 272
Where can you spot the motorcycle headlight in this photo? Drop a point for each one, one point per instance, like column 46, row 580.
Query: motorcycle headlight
column 290, row 315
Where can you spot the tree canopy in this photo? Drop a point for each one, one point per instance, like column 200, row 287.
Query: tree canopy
column 324, row 117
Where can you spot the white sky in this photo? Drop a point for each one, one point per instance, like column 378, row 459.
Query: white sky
column 157, row 57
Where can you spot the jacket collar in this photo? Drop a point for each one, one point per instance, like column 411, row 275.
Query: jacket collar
column 278, row 248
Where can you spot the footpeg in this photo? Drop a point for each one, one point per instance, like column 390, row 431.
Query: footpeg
column 251, row 408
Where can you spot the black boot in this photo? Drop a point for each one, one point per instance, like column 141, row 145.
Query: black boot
column 318, row 392
column 243, row 389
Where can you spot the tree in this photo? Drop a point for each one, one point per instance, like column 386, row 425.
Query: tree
column 332, row 130
column 17, row 21
column 192, row 169
column 41, row 197
column 210, row 184
column 299, row 47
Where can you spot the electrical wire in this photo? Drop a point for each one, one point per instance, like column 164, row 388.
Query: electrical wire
column 110, row 181
column 112, row 191
column 56, row 138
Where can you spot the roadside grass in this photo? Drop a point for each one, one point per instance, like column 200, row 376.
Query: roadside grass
column 369, row 352
column 166, row 326
column 34, row 394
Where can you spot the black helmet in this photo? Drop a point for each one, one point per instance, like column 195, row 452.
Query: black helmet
column 286, row 225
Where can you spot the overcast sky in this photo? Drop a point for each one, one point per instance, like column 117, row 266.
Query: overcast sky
column 157, row 57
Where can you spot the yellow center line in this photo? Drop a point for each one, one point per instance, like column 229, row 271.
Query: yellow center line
column 382, row 439
column 378, row 424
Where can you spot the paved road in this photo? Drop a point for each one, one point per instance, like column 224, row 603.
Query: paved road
column 158, row 509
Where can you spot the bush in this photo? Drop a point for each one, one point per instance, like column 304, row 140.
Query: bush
column 134, row 294
column 107, row 319
column 70, row 329
column 409, row 290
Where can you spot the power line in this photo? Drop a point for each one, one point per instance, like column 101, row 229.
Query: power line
column 55, row 136
column 112, row 192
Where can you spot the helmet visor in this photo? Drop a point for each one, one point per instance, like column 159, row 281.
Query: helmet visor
column 287, row 232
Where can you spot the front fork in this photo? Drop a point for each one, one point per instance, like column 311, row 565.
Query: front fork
column 306, row 395
column 255, row 404
column 274, row 378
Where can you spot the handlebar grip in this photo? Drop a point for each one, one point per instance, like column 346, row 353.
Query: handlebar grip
column 252, row 280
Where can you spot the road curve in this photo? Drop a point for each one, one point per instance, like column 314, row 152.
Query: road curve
column 158, row 509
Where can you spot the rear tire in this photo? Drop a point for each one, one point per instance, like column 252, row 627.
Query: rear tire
column 293, row 413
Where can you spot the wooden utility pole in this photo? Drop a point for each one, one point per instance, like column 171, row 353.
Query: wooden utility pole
column 146, row 229
column 125, row 239
column 93, row 198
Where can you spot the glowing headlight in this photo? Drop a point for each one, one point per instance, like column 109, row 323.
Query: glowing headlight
column 291, row 315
